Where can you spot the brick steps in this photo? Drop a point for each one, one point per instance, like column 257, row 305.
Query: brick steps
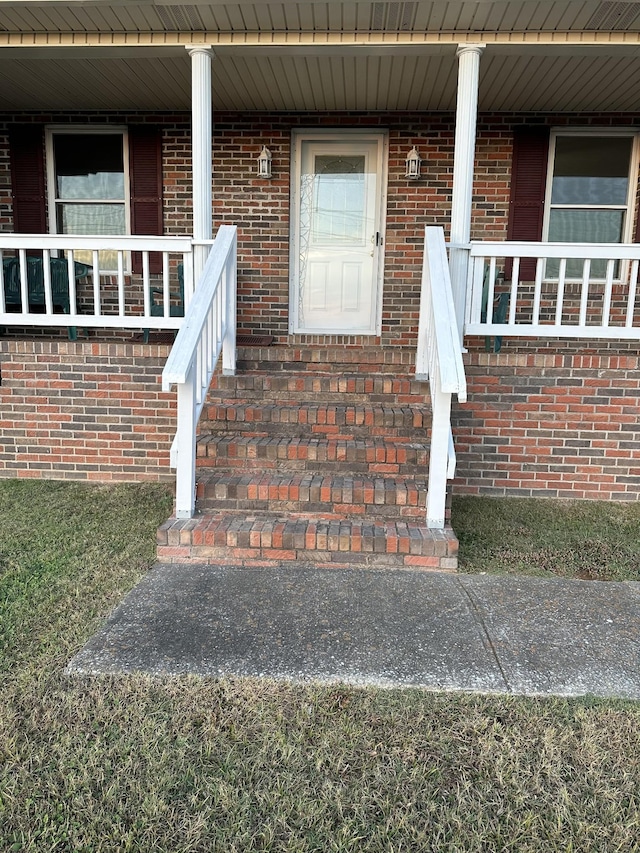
column 385, row 497
column 260, row 539
column 375, row 455
column 315, row 455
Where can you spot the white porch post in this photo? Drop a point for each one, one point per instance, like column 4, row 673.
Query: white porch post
column 463, row 156
column 201, row 57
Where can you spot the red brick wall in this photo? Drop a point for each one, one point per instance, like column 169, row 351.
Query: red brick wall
column 550, row 423
column 84, row 411
column 261, row 211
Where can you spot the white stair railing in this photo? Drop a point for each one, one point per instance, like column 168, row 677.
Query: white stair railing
column 209, row 328
column 439, row 359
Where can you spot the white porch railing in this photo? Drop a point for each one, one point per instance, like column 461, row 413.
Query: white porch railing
column 566, row 290
column 208, row 328
column 439, row 359
column 87, row 282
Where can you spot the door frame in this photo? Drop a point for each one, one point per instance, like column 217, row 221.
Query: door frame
column 322, row 135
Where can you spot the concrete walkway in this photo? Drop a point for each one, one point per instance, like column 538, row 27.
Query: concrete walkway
column 438, row 631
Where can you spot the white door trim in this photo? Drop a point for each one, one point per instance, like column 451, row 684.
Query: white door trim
column 322, row 135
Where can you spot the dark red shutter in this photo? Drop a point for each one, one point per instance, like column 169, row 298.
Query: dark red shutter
column 528, row 185
column 145, row 168
column 26, row 153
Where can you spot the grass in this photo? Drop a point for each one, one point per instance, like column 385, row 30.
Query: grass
column 186, row 764
column 572, row 539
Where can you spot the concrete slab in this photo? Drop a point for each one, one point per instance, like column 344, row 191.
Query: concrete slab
column 562, row 637
column 433, row 630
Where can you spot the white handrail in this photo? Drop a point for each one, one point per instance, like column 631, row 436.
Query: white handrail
column 209, row 328
column 74, row 242
column 439, row 358
column 512, row 249
column 567, row 290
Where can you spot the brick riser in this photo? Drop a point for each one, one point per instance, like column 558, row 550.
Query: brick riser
column 251, row 540
column 329, row 388
column 324, row 494
column 373, row 456
column 331, row 419
column 394, row 361
column 316, row 456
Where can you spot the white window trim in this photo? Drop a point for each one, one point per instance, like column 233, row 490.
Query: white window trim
column 629, row 208
column 90, row 130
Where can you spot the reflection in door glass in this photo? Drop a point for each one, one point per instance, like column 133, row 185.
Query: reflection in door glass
column 338, row 212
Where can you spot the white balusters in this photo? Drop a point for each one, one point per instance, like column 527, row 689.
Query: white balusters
column 578, row 290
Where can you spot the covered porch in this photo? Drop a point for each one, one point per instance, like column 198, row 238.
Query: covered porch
column 450, row 96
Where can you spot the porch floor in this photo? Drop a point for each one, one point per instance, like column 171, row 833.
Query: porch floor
column 493, row 634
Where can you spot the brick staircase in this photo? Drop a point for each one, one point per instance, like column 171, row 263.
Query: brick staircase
column 313, row 455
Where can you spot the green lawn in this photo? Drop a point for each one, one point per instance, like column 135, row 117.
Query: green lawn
column 186, row 764
column 575, row 539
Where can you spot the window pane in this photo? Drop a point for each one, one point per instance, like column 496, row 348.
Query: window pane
column 584, row 226
column 89, row 165
column 107, row 219
column 91, row 219
column 591, row 170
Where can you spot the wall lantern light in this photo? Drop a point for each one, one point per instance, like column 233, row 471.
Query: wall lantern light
column 413, row 165
column 264, row 163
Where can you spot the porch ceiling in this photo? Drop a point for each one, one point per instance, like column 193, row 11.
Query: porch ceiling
column 322, row 78
column 130, row 54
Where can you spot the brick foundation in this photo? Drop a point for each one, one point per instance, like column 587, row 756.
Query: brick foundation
column 84, row 411
column 540, row 421
column 550, row 423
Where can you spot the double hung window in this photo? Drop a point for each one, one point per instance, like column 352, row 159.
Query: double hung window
column 88, row 185
column 590, row 193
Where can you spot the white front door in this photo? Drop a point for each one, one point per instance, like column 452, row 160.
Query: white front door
column 337, row 233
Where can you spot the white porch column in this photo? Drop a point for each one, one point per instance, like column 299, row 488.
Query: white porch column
column 201, row 111
column 463, row 156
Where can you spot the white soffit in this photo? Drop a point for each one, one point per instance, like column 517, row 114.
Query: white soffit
column 242, row 80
